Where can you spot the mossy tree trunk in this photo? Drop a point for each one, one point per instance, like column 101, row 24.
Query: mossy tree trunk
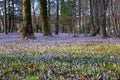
column 27, row 30
column 45, row 26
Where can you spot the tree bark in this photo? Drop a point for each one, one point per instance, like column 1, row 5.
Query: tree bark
column 57, row 19
column 79, row 10
column 100, row 13
column 13, row 21
column 45, row 26
column 96, row 17
column 63, row 28
column 91, row 15
column 49, row 9
column 5, row 18
column 103, row 8
column 9, row 16
column 27, row 30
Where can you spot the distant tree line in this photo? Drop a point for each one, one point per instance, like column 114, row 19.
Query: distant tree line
column 89, row 17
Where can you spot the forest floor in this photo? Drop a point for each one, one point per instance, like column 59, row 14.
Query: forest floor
column 14, row 38
column 61, row 57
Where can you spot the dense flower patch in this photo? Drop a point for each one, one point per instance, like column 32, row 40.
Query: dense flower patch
column 59, row 60
column 55, row 62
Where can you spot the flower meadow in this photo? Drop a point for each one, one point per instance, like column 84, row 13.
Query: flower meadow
column 59, row 58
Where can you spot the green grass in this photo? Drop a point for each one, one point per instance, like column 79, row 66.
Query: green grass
column 58, row 61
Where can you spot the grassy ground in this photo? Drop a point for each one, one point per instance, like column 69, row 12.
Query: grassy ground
column 70, row 60
column 55, row 61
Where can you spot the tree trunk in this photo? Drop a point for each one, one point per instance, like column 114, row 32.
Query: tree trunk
column 13, row 22
column 5, row 18
column 9, row 16
column 103, row 8
column 27, row 30
column 49, row 9
column 45, row 26
column 91, row 15
column 97, row 18
column 57, row 19
column 79, row 10
column 63, row 27
column 34, row 17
